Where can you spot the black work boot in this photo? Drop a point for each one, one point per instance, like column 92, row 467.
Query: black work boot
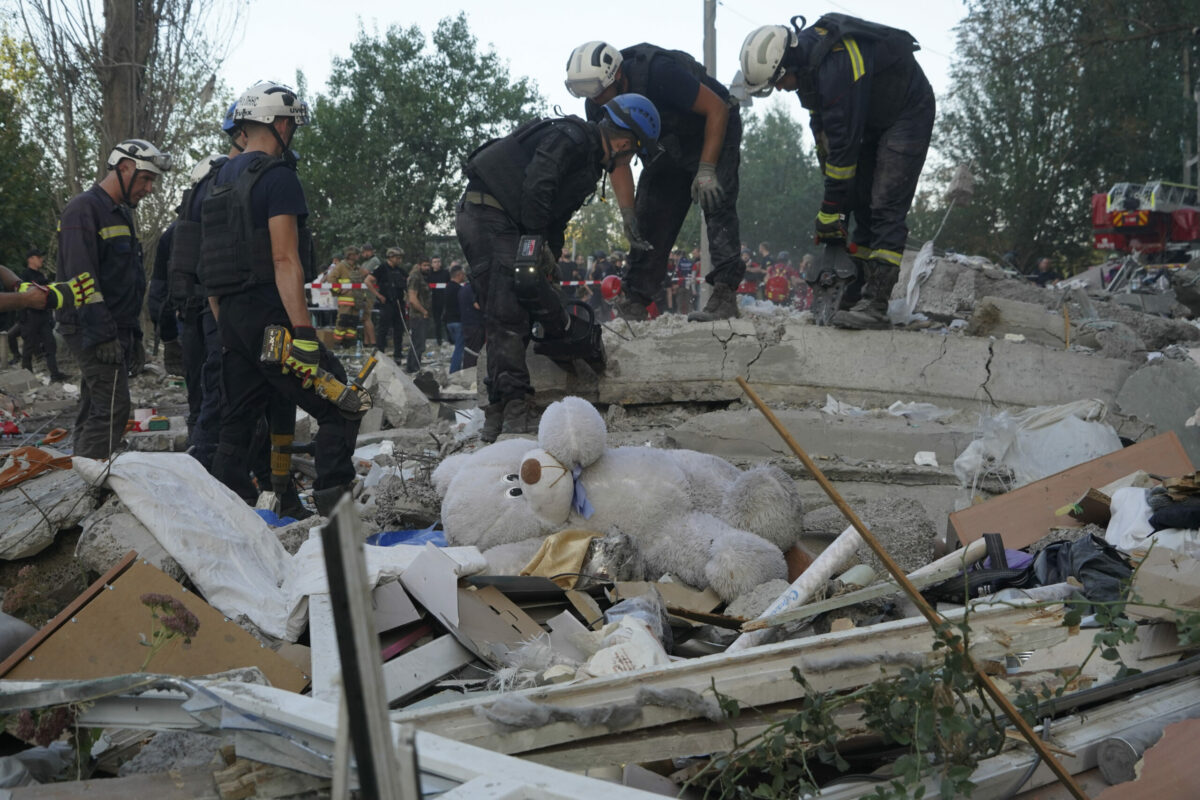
column 630, row 309
column 327, row 499
column 722, row 304
column 870, row 313
column 493, row 421
column 519, row 417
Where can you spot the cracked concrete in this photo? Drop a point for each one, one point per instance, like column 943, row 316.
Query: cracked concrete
column 669, row 361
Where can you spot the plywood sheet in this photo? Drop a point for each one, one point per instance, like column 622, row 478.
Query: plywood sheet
column 1024, row 515
column 103, row 636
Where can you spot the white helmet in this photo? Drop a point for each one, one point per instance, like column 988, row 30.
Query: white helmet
column 266, row 100
column 762, row 57
column 201, row 170
column 145, row 156
column 592, row 68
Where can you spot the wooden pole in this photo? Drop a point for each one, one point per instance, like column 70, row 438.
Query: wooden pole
column 926, row 610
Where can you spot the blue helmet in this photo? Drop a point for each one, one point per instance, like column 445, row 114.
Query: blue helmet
column 635, row 113
column 229, row 125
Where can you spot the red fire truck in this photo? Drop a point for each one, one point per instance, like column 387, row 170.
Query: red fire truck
column 1159, row 220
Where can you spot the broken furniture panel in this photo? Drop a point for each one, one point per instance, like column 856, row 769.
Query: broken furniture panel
column 1024, row 515
column 98, row 635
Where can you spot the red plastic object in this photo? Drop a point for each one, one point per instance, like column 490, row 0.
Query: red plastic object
column 610, row 287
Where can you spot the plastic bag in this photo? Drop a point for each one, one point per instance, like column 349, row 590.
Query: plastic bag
column 650, row 609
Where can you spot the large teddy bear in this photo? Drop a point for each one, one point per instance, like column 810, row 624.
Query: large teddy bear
column 693, row 515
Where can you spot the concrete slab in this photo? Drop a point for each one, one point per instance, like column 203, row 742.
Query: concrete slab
column 744, row 434
column 173, row 440
column 997, row 316
column 674, row 362
column 1165, row 393
column 403, row 404
column 36, row 510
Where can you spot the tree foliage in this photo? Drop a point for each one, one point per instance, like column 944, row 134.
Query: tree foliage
column 383, row 159
column 781, row 184
column 1054, row 100
column 25, row 199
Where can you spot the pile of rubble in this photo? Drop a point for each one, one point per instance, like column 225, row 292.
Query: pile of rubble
column 658, row 591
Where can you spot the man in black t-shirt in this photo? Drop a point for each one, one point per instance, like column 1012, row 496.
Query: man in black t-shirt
column 391, row 279
column 700, row 153
column 260, row 282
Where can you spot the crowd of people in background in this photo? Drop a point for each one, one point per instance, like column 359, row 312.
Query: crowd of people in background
column 422, row 306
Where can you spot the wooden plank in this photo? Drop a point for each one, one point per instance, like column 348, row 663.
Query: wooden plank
column 67, row 613
column 413, row 671
column 101, row 637
column 326, row 666
column 757, row 676
column 1024, row 515
column 385, row 771
column 193, row 783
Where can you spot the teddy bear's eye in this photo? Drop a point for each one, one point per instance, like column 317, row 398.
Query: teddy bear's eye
column 514, row 492
column 511, row 477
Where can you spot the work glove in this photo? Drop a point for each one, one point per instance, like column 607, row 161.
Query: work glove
column 636, row 242
column 706, row 189
column 137, row 358
column 110, row 352
column 75, row 292
column 173, row 357
column 304, row 355
column 830, row 228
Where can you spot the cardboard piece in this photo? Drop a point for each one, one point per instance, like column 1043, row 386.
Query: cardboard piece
column 1165, row 576
column 393, row 607
column 482, row 619
column 1024, row 515
column 98, row 635
column 587, row 608
column 675, row 595
column 1094, row 506
column 1161, row 640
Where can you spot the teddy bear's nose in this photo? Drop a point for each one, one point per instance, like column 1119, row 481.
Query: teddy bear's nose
column 531, row 471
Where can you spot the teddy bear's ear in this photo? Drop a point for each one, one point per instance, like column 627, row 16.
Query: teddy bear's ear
column 573, row 431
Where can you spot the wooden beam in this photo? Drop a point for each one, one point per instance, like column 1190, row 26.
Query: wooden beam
column 755, row 677
column 385, row 771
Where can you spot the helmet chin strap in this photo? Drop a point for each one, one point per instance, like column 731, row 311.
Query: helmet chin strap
column 289, row 155
column 610, row 163
column 125, row 189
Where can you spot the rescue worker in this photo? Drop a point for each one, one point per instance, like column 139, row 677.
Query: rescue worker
column 37, row 325
column 256, row 256
column 701, row 151
column 391, row 280
column 97, row 235
column 532, row 182
column 349, row 301
column 872, row 113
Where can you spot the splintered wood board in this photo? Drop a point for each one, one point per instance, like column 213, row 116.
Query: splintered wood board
column 1024, row 515
column 98, row 636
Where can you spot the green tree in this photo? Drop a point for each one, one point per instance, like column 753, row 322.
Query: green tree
column 25, row 199
column 26, row 204
column 781, row 185
column 1052, row 101
column 383, row 160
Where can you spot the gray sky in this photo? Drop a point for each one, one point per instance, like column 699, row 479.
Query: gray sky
column 536, row 36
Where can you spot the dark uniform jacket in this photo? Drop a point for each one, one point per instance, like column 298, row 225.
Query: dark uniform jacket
column 862, row 84
column 542, row 173
column 96, row 235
